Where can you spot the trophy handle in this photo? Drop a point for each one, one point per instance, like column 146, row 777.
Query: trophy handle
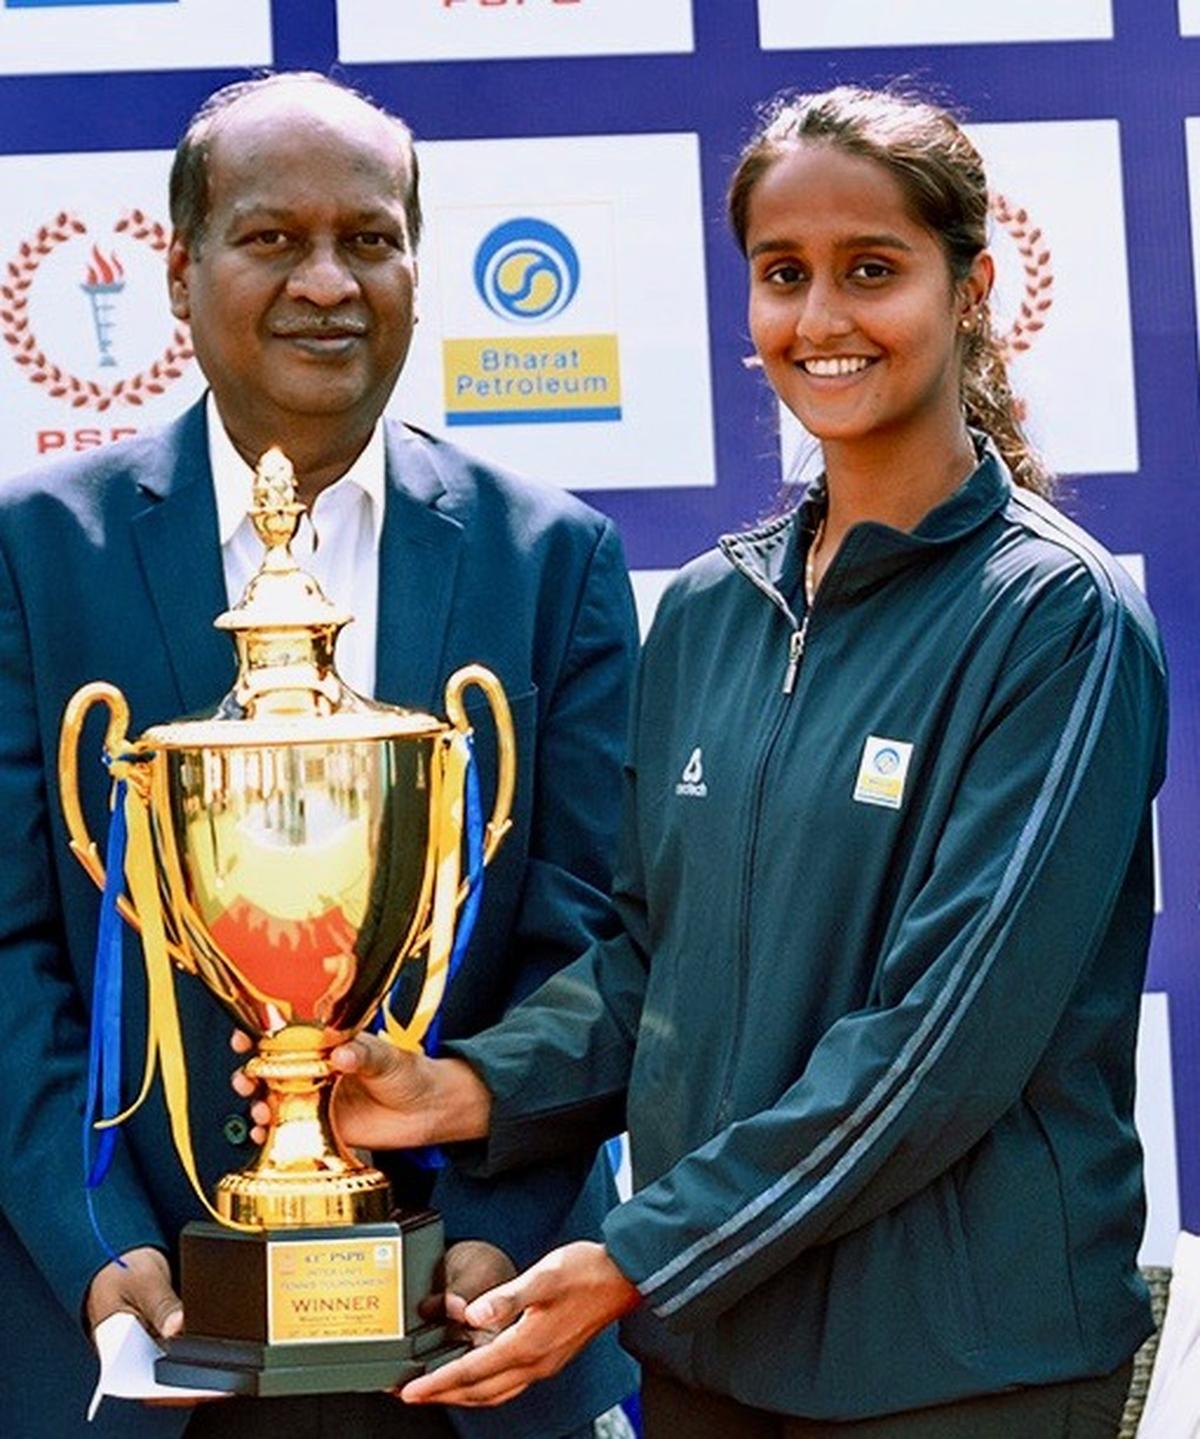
column 118, row 749
column 448, row 892
column 506, row 771
column 164, row 1040
column 116, row 745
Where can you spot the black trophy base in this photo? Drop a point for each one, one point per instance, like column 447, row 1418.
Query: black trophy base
column 272, row 1371
column 255, row 1306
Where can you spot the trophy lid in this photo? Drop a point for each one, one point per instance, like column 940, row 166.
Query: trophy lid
column 281, row 594
column 285, row 629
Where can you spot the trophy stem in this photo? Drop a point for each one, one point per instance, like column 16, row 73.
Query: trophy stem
column 304, row 1176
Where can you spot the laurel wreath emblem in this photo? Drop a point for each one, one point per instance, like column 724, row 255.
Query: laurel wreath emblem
column 1038, row 294
column 39, row 369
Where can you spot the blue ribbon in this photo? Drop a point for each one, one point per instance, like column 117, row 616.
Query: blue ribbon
column 470, row 908
column 432, row 1157
column 104, row 1045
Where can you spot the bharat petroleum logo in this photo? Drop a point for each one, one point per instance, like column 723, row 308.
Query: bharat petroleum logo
column 528, row 371
column 102, row 281
column 526, row 270
column 886, row 761
column 1038, row 284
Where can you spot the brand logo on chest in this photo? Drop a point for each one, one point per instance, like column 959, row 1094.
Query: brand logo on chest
column 691, row 781
column 883, row 771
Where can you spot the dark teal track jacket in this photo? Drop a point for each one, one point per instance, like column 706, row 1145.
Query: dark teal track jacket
column 887, row 888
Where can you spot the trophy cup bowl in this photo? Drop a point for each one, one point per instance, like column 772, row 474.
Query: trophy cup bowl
column 293, row 851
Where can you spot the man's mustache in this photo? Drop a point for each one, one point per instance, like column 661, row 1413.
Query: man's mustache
column 317, row 326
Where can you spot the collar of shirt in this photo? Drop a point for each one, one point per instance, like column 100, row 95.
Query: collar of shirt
column 233, row 478
column 338, row 544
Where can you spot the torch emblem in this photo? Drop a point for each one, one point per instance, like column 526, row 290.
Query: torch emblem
column 105, row 279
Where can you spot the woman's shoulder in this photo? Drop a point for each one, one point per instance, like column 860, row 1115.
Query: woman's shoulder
column 1062, row 575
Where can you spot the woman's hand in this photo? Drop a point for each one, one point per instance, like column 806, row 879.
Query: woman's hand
column 389, row 1098
column 545, row 1317
column 386, row 1097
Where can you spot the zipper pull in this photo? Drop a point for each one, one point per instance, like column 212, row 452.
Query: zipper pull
column 795, row 654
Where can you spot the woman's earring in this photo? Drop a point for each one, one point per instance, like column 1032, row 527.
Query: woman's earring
column 967, row 324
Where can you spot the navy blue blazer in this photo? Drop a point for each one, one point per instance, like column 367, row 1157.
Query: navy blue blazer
column 110, row 569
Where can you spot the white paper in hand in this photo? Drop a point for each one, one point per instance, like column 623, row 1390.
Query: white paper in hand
column 1173, row 1404
column 127, row 1355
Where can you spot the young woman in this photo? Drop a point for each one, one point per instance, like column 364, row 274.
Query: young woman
column 886, row 885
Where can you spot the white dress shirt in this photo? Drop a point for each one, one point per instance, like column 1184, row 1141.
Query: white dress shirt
column 337, row 542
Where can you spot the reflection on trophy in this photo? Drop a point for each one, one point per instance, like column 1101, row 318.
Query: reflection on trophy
column 293, row 850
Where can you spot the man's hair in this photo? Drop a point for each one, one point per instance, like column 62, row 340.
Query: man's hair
column 189, row 187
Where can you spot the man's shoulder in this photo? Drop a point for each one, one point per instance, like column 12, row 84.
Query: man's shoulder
column 475, row 486
column 90, row 480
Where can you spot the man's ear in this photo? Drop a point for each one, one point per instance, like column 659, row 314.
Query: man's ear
column 179, row 262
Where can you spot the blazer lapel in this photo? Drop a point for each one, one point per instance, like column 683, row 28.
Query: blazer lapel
column 179, row 549
column 419, row 553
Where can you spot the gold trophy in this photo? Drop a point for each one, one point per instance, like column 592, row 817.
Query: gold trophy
column 293, row 850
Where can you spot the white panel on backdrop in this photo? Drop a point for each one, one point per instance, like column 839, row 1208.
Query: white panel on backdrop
column 374, row 30
column 1135, row 568
column 564, row 327
column 848, row 24
column 1193, row 153
column 1062, row 292
column 89, row 351
column 1154, row 1115
column 1189, row 17
column 53, row 37
column 648, row 587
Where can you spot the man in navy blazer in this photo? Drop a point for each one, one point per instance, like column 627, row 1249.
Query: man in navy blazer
column 296, row 215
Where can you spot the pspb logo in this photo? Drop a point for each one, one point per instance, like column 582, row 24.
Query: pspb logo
column 75, row 4
column 529, row 274
column 375, row 30
column 82, row 320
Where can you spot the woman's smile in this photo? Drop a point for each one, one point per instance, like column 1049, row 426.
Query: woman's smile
column 835, row 367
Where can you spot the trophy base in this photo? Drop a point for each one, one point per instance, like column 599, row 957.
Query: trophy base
column 307, row 1311
column 273, row 1371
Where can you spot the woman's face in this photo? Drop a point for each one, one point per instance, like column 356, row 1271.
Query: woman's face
column 853, row 310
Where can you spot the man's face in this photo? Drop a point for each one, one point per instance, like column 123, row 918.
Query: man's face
column 300, row 290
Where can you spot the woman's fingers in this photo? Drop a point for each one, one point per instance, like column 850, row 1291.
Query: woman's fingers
column 558, row 1306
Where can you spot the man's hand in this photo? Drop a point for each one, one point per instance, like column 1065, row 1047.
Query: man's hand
column 142, row 1288
column 469, row 1269
column 558, row 1305
column 389, row 1098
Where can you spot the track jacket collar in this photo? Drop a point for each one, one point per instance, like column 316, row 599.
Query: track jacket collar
column 771, row 555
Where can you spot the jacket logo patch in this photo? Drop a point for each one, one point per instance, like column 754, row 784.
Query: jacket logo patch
column 691, row 781
column 883, row 771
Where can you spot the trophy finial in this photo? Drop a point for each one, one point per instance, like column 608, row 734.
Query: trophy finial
column 283, row 626
column 275, row 511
